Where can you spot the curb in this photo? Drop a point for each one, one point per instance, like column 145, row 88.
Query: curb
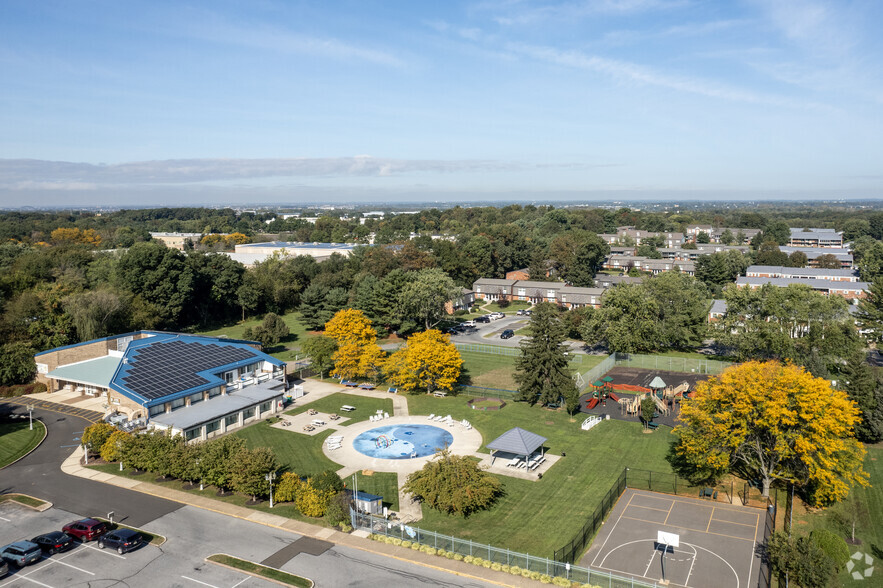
column 311, row 530
column 252, row 574
column 34, row 448
column 45, row 506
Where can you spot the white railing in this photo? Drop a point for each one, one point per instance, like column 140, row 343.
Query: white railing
column 590, row 422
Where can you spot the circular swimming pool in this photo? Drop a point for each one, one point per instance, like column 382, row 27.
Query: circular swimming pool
column 402, row 441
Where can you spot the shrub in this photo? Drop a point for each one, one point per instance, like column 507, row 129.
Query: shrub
column 416, row 546
column 504, row 303
column 116, row 446
column 486, row 563
column 431, row 551
column 345, row 528
column 505, row 568
column 406, row 543
column 525, row 573
column 458, row 557
column 450, row 555
column 545, row 579
column 563, row 582
column 468, row 559
column 515, row 571
column 535, row 575
column 833, row 545
column 496, row 567
column 287, row 487
column 396, row 541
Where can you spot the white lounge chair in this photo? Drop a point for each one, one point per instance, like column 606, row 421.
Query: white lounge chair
column 386, row 415
column 431, row 417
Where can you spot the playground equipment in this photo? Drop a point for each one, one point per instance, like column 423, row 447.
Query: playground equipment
column 383, row 442
column 590, row 422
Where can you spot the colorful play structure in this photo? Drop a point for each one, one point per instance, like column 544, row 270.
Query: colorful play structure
column 663, row 395
column 383, row 442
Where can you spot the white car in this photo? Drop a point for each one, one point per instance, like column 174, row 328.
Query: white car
column 496, row 315
column 469, row 323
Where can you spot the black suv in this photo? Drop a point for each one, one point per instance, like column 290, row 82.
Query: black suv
column 507, row 334
column 483, row 319
column 54, row 542
column 122, row 539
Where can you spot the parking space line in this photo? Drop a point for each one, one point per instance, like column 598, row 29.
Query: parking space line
column 240, row 581
column 105, row 552
column 203, row 583
column 58, row 561
column 25, row 577
column 4, row 519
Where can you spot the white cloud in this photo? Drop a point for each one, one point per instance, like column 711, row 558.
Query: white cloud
column 28, row 174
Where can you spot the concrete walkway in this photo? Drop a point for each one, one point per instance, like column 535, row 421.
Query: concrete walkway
column 357, row 540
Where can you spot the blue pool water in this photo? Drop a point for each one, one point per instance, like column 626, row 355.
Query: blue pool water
column 402, row 441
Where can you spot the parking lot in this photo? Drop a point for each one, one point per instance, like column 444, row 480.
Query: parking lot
column 192, row 535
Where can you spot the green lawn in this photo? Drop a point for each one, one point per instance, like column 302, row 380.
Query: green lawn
column 869, row 529
column 285, row 351
column 18, row 439
column 488, row 370
column 568, row 493
column 295, row 451
column 384, row 484
column 365, row 406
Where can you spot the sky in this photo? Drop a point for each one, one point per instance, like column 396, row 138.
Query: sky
column 109, row 102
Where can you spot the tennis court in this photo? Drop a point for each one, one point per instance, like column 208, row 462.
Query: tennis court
column 716, row 542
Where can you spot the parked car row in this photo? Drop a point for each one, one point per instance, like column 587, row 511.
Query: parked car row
column 24, row 553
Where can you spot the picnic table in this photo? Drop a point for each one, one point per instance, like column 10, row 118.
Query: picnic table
column 367, row 386
column 350, row 383
column 439, row 394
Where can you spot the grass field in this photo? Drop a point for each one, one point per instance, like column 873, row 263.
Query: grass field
column 869, row 529
column 568, row 492
column 18, row 439
column 489, row 371
column 384, row 484
column 285, row 351
column 296, row 452
column 365, row 406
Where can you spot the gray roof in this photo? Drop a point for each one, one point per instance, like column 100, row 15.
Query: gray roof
column 812, row 231
column 718, row 307
column 815, row 284
column 605, row 280
column 221, row 406
column 492, row 282
column 801, row 271
column 532, row 284
column 517, row 441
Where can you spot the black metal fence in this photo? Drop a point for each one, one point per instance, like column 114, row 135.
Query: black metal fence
column 671, row 483
column 764, row 579
column 573, row 549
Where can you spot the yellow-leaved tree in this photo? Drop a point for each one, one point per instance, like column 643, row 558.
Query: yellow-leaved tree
column 769, row 421
column 428, row 360
column 356, row 344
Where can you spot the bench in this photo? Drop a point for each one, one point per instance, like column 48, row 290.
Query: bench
column 347, row 408
column 708, row 492
column 652, row 425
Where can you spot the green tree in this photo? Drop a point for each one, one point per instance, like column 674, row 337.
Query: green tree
column 702, row 237
column 426, row 294
column 778, row 232
column 542, row 370
column 17, row 365
column 648, row 409
column 868, row 258
column 628, row 321
column 95, row 436
column 250, row 471
column 802, row 560
column 218, row 460
column 270, row 332
column 682, row 309
column 320, row 349
column 287, row 487
column 869, row 316
column 727, row 237
column 98, row 313
column 453, row 484
column 828, row 261
column 116, row 446
column 160, row 276
column 863, row 388
column 721, row 268
column 312, row 302
column 769, row 254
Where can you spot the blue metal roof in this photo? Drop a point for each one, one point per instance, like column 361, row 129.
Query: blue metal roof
column 167, row 366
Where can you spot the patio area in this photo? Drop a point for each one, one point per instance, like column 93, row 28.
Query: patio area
column 307, row 424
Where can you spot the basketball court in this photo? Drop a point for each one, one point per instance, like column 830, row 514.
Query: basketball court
column 709, row 543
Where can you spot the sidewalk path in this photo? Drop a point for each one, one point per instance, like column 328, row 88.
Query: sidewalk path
column 356, row 540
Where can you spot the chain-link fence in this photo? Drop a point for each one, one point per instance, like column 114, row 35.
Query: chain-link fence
column 574, row 548
column 765, row 578
column 496, row 555
column 489, row 349
column 672, row 364
column 585, row 380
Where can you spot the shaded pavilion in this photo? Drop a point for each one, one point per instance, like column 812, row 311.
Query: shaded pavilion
column 518, row 442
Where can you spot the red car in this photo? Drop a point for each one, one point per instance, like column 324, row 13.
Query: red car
column 85, row 529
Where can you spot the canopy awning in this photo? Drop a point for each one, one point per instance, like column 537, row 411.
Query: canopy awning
column 517, row 441
column 657, row 383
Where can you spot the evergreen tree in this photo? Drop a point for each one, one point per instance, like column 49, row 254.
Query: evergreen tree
column 870, row 312
column 312, row 302
column 542, row 370
column 862, row 388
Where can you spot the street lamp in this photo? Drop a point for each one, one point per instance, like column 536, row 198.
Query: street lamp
column 31, row 417
column 270, row 477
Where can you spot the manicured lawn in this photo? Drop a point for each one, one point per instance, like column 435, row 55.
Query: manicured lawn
column 568, row 493
column 384, row 484
column 18, row 439
column 489, row 371
column 263, row 571
column 365, row 406
column 283, row 510
column 286, row 351
column 295, row 451
column 869, row 529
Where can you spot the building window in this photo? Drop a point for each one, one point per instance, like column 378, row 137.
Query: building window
column 212, row 426
column 247, row 413
column 194, row 398
column 550, row 293
column 158, row 409
column 231, row 420
column 214, row 392
column 191, row 434
column 265, row 406
column 177, row 403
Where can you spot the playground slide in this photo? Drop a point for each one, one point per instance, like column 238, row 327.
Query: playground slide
column 660, row 406
column 613, row 397
column 592, row 403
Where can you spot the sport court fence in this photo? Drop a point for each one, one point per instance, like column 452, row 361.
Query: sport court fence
column 574, row 548
column 765, row 577
column 672, row 364
column 666, row 483
column 489, row 349
column 496, row 555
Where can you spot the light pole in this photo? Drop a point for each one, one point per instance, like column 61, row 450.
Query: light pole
column 31, row 417
column 270, row 477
